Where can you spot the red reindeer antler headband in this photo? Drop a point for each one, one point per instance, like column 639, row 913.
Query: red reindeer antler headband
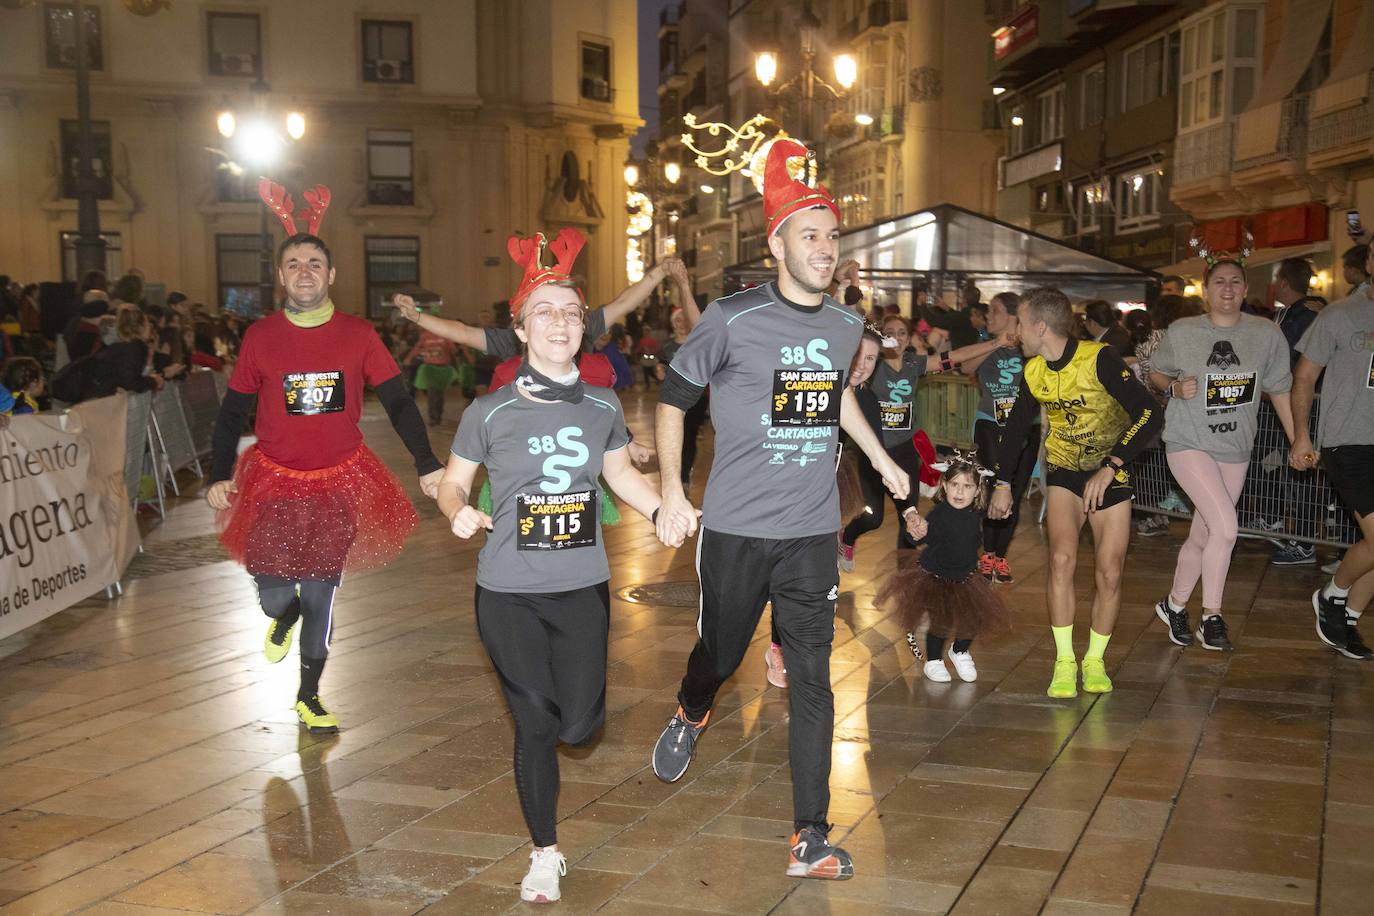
column 529, row 254
column 279, row 202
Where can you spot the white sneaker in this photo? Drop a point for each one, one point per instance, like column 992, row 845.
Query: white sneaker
column 963, row 665
column 541, row 881
column 936, row 671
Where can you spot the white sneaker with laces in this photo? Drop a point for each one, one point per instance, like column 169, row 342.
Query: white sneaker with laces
column 963, row 665
column 541, row 881
column 936, row 671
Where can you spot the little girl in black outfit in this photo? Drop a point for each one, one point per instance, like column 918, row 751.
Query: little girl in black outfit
column 943, row 584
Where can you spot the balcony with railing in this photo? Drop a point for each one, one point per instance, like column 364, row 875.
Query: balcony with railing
column 1341, row 127
column 1203, row 155
column 888, row 125
column 1271, row 143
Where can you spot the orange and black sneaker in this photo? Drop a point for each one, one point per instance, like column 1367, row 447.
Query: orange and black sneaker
column 987, row 566
column 812, row 856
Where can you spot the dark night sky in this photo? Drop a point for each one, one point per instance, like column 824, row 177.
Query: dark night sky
column 648, row 71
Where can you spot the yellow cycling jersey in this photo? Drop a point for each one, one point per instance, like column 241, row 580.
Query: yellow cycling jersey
column 1086, row 421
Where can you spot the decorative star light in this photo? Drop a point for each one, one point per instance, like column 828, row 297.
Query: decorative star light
column 745, row 149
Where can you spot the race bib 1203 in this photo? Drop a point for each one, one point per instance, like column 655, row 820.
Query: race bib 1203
column 806, row 397
column 1227, row 390
column 895, row 417
column 555, row 521
column 310, row 393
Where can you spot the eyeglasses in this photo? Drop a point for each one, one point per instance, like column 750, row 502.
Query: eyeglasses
column 548, row 315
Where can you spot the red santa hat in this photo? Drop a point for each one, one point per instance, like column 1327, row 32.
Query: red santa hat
column 784, row 195
column 529, row 254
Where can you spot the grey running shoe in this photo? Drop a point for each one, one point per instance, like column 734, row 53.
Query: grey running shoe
column 1212, row 633
column 1180, row 632
column 1331, row 627
column 677, row 746
column 1294, row 554
column 1354, row 646
column 812, row 856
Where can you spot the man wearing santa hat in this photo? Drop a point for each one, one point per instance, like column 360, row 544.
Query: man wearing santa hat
column 775, row 357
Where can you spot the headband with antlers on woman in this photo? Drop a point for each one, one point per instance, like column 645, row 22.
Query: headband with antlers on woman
column 279, row 202
column 529, row 254
column 1213, row 258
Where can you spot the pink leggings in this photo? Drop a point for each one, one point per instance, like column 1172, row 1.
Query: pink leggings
column 1214, row 488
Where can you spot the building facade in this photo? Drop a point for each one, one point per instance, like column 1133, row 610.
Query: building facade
column 441, row 126
column 909, row 133
column 1130, row 127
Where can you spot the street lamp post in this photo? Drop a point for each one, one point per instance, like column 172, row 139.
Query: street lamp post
column 259, row 144
column 90, row 244
column 807, row 79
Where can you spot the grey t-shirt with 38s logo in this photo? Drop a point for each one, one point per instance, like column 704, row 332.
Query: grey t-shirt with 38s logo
column 543, row 460
column 777, row 371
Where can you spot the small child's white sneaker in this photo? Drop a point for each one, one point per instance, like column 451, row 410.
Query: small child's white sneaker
column 963, row 665
column 541, row 882
column 935, row 671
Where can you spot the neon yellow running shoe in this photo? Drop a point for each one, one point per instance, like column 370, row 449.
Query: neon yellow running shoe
column 315, row 717
column 1095, row 678
column 1064, row 684
column 278, row 640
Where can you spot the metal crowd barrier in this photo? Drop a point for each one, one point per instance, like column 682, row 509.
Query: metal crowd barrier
column 1277, row 503
column 170, row 430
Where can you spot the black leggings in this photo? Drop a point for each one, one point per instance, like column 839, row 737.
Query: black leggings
column 312, row 602
column 550, row 654
column 876, row 495
column 997, row 532
column 935, row 646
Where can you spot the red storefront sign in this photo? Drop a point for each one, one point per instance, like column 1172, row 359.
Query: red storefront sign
column 1018, row 33
column 1299, row 225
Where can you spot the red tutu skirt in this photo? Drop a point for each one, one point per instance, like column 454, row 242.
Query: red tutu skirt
column 851, row 490
column 315, row 524
column 961, row 610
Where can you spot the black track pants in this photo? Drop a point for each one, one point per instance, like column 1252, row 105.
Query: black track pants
column 739, row 575
column 998, row 532
column 550, row 652
column 312, row 601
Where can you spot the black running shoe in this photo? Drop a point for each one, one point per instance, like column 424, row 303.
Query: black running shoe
column 1354, row 646
column 1212, row 632
column 812, row 856
column 1331, row 628
column 677, row 746
column 1180, row 631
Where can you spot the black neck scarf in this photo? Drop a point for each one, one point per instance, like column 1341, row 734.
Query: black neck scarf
column 568, row 388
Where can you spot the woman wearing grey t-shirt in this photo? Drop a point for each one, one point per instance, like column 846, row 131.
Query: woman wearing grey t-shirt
column 1214, row 368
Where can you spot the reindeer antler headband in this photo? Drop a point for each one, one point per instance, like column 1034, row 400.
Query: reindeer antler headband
column 529, row 254
column 1213, row 258
column 279, row 202
column 961, row 460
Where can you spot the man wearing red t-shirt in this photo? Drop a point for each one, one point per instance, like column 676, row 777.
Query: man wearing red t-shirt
column 310, row 501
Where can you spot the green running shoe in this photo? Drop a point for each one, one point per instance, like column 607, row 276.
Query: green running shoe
column 1064, row 684
column 1095, row 678
column 315, row 717
column 278, row 640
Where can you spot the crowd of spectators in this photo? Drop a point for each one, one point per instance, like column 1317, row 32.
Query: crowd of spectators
column 67, row 345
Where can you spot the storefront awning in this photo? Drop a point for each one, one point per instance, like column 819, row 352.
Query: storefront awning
column 946, row 241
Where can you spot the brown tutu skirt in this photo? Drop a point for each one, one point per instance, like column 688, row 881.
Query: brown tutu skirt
column 961, row 610
column 851, row 490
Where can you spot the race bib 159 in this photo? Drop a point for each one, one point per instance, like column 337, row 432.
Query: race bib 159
column 310, row 393
column 806, row 397
column 555, row 521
